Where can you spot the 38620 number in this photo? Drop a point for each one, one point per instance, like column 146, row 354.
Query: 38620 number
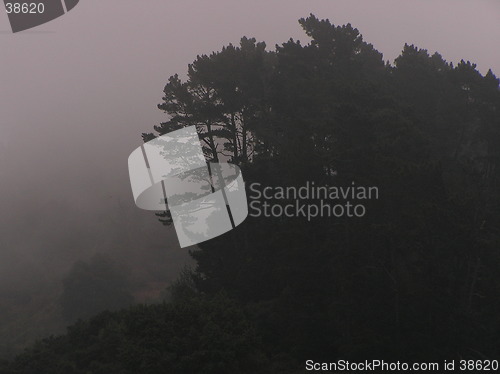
column 25, row 8
column 479, row 365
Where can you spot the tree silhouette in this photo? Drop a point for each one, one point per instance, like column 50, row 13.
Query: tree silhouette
column 92, row 287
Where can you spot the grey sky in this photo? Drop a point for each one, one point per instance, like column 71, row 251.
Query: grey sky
column 77, row 92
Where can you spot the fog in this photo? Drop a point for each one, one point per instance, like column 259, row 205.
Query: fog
column 77, row 93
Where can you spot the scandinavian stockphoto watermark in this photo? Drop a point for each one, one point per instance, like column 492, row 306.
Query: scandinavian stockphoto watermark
column 310, row 201
column 205, row 199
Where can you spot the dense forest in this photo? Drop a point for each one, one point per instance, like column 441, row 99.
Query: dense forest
column 415, row 279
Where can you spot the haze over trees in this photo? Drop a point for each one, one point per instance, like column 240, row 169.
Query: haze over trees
column 416, row 279
column 92, row 287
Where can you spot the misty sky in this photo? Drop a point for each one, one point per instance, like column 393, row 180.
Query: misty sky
column 77, row 92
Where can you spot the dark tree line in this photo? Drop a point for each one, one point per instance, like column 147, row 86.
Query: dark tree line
column 416, row 279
